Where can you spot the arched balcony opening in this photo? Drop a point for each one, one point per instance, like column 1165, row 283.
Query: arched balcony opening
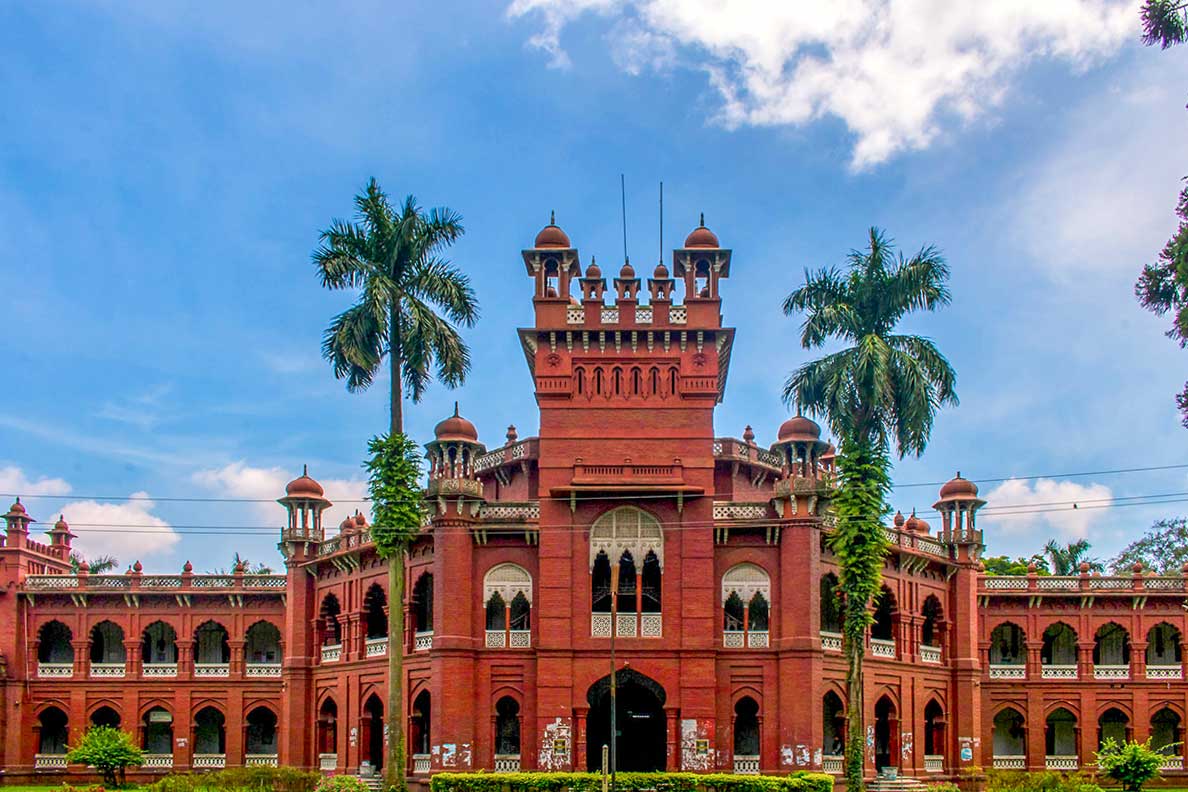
column 55, row 652
column 1010, row 740
column 106, row 716
column 930, row 630
column 1167, row 737
column 157, row 727
column 1113, row 725
column 1060, row 740
column 831, row 613
column 212, row 650
column 1008, row 652
column 210, row 739
column 262, row 650
column 619, row 540
column 53, row 732
column 327, row 735
column 1111, row 652
column 375, row 619
column 422, row 612
column 1164, row 660
column 329, row 616
column 833, row 713
column 158, row 650
column 886, row 734
column 420, row 723
column 507, row 593
column 261, row 737
column 507, row 735
column 1058, row 656
column 746, row 736
column 934, row 737
column 108, row 653
column 882, row 630
column 746, row 594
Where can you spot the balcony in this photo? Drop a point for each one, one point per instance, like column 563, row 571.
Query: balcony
column 376, row 647
column 746, row 764
column 423, row 641
column 158, row 761
column 934, row 764
column 833, row 765
column 55, row 670
column 1010, row 762
column 1165, row 672
column 1004, row 671
column 503, row 639
column 930, row 654
column 209, row 761
column 328, row 761
column 49, row 762
column 882, row 648
column 420, row 764
column 1058, row 671
column 507, row 763
column 831, row 642
column 260, row 760
column 212, row 669
column 332, row 653
column 107, row 670
column 630, row 625
column 1111, row 672
column 1061, row 762
column 258, row 670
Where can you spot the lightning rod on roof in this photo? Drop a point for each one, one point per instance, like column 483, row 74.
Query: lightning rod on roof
column 623, row 195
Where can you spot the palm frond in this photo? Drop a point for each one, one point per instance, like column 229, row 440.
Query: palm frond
column 341, row 259
column 430, row 343
column 439, row 282
column 354, row 344
column 441, row 228
column 917, row 284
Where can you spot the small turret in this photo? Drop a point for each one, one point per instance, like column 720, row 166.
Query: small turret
column 17, row 521
column 305, row 502
column 958, row 505
column 701, row 263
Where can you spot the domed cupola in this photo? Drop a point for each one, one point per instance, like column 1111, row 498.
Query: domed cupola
column 593, row 285
column 701, row 263
column 305, row 502
column 799, row 444
column 454, row 448
column 627, row 285
column 552, row 263
column 455, row 429
column 551, row 236
column 958, row 505
column 701, row 237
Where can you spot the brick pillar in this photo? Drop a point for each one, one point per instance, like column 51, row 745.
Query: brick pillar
column 237, row 662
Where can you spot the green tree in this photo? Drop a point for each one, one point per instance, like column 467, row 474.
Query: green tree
column 1005, row 565
column 1066, row 559
column 1163, row 548
column 1131, row 764
column 1165, row 22
column 883, row 387
column 393, row 258
column 108, row 750
column 98, row 566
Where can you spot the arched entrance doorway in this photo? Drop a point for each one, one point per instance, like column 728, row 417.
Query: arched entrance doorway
column 642, row 744
column 886, row 734
column 373, row 732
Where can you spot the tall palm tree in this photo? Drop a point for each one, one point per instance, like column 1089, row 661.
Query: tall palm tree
column 410, row 299
column 1066, row 559
column 882, row 387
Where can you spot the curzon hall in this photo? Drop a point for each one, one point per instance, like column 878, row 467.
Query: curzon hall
column 727, row 635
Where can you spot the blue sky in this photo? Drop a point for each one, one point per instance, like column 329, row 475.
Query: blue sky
column 165, row 170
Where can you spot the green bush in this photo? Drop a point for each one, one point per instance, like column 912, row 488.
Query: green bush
column 1131, row 764
column 241, row 779
column 1046, row 781
column 108, row 750
column 944, row 786
column 341, row 783
column 629, row 782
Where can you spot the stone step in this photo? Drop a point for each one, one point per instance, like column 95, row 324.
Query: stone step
column 374, row 783
column 900, row 784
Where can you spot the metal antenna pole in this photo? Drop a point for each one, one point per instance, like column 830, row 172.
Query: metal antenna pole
column 614, row 692
column 623, row 194
column 661, row 222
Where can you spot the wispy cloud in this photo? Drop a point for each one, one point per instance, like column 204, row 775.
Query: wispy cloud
column 1033, row 511
column 14, row 480
column 265, row 484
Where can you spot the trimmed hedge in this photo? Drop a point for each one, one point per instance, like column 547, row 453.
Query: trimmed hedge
column 629, row 782
column 240, row 779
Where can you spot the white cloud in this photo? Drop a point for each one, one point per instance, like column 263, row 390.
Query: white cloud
column 1043, row 509
column 891, row 70
column 14, row 480
column 128, row 530
column 265, row 485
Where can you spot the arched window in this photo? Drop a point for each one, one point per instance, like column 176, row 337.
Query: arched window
column 886, row 734
column 882, row 630
column 507, row 593
column 210, row 733
column 261, row 732
column 327, row 732
column 1060, row 733
column 107, row 647
column 1112, row 725
column 54, row 645
column 673, row 380
column 507, row 727
column 598, row 389
column 1111, row 646
column 621, row 536
column 746, row 734
column 158, row 646
column 211, row 645
column 636, row 382
column 418, row 733
column 746, row 592
column 1060, row 647
column 422, row 604
column 579, row 377
column 1163, row 648
column 1166, row 735
column 54, row 732
column 834, row 715
column 262, row 647
column 158, row 732
column 617, row 380
column 374, row 605
column 831, row 605
column 106, row 716
column 1008, row 645
column 934, row 615
column 934, row 730
column 1010, row 734
column 331, row 629
column 654, row 381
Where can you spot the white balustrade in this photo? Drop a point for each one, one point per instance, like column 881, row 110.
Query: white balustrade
column 678, row 314
column 420, row 763
column 520, row 639
column 1061, row 762
column 212, row 669
column 331, row 653
column 1002, row 671
column 934, row 764
column 930, row 654
column 107, row 670
column 328, row 761
column 423, row 641
column 733, row 639
column 1010, row 762
column 831, row 641
column 507, row 763
column 159, row 670
column 496, row 639
column 260, row 760
column 1165, row 672
column 1111, row 672
column 209, row 761
column 643, row 314
column 610, row 315
column 1058, row 671
column 257, row 670
column 746, row 764
column 651, row 625
column 158, row 761
column 833, row 764
column 376, row 647
column 882, row 648
column 49, row 762
column 48, row 670
column 1172, row 763
column 575, row 314
column 757, row 639
column 627, row 625
column 600, row 625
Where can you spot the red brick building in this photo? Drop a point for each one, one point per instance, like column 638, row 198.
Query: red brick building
column 727, row 638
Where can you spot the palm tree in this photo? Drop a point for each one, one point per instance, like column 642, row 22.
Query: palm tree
column 883, row 386
column 101, row 564
column 1067, row 559
column 392, row 256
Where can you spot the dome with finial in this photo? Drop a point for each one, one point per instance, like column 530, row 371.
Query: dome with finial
column 346, row 526
column 17, row 509
column 551, row 236
column 799, row 428
column 83, row 567
column 913, row 522
column 701, row 237
column 512, row 434
column 61, row 526
column 187, row 567
column 899, row 519
column 958, row 486
column 138, row 567
column 456, row 428
column 360, row 520
column 303, row 486
column 593, row 271
column 661, row 272
column 627, row 272
column 748, row 434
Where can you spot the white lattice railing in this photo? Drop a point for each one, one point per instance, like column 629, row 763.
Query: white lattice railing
column 331, row 653
column 627, row 626
column 49, row 762
column 930, row 654
column 831, row 642
column 260, row 760
column 934, row 764
column 420, row 763
column 678, row 314
column 120, row 582
column 107, row 669
column 733, row 639
column 159, row 670
column 376, row 647
column 1004, row 671
column 257, row 670
column 600, row 625
column 212, row 669
column 882, row 648
column 757, row 639
column 1165, row 672
column 1058, row 671
column 832, row 764
column 643, row 314
column 575, row 314
column 746, row 764
column 651, row 625
column 520, row 639
column 209, row 761
column 496, row 639
column 423, row 641
column 1061, row 762
column 610, row 315
column 1004, row 583
column 1010, row 762
column 47, row 670
column 1172, row 763
column 328, row 761
column 507, row 763
column 1111, row 672
column 158, row 761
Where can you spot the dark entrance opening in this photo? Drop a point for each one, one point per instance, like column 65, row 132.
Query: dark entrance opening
column 373, row 732
column 642, row 743
column 886, row 735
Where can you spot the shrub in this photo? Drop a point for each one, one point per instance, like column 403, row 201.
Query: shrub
column 1046, row 781
column 1131, row 764
column 943, row 786
column 630, row 782
column 241, row 779
column 108, row 750
column 341, row 783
